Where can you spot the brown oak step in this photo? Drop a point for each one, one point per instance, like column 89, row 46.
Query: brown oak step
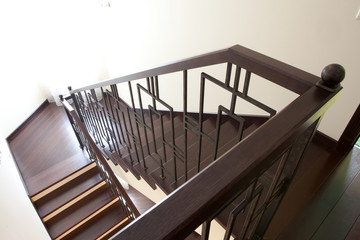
column 67, row 192
column 63, row 181
column 110, row 218
column 77, row 211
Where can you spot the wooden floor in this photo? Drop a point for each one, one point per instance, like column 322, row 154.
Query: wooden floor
column 323, row 201
column 46, row 151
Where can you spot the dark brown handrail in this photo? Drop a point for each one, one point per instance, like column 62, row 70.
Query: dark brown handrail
column 278, row 72
column 100, row 157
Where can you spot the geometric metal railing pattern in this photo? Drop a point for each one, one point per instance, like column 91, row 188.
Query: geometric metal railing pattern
column 143, row 135
column 129, row 130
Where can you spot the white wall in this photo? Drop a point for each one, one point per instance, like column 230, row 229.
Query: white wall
column 306, row 34
column 18, row 219
column 45, row 46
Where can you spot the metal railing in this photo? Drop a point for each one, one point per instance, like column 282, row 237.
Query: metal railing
column 95, row 155
column 246, row 184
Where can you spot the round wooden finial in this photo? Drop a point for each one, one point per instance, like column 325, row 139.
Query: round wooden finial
column 61, row 97
column 69, row 88
column 332, row 75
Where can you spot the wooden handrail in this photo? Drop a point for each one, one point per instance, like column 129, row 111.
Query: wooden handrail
column 232, row 172
column 276, row 71
column 100, row 157
column 211, row 190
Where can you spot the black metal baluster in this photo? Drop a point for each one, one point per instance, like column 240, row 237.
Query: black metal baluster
column 235, row 89
column 93, row 114
column 228, row 74
column 246, row 83
column 201, row 110
column 205, row 231
column 143, row 121
column 185, row 79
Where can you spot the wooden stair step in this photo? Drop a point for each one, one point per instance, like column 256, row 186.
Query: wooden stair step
column 62, row 182
column 76, row 211
column 67, row 192
column 100, row 224
column 52, row 175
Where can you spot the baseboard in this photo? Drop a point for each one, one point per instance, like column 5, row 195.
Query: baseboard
column 12, row 136
column 325, row 140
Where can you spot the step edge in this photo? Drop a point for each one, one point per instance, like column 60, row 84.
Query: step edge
column 73, row 201
column 86, row 219
column 62, row 182
column 116, row 226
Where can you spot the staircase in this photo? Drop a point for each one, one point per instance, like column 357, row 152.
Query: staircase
column 164, row 167
column 239, row 167
column 80, row 206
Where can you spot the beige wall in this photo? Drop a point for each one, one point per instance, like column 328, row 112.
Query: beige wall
column 306, row 34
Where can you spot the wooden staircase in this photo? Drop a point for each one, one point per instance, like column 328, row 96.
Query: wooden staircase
column 159, row 167
column 80, row 206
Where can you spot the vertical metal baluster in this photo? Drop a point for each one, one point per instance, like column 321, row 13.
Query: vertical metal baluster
column 133, row 135
column 105, row 125
column 137, row 128
column 153, row 93
column 164, row 149
column 114, row 124
column 246, row 83
column 185, row 79
column 235, row 89
column 218, row 127
column 131, row 96
column 205, row 231
column 126, row 131
column 92, row 117
column 228, row 74
column 152, row 129
column 108, row 117
column 100, row 116
column 201, row 110
column 96, row 119
column 143, row 121
column 173, row 142
column 157, row 93
column 241, row 131
column 115, row 97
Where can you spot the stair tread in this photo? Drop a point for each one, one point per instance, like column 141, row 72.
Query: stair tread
column 54, row 187
column 101, row 223
column 69, row 191
column 69, row 217
column 52, row 175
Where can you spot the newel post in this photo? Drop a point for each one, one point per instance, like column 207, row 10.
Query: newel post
column 331, row 77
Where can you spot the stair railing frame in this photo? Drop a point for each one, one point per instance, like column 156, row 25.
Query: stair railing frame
column 241, row 167
column 96, row 155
